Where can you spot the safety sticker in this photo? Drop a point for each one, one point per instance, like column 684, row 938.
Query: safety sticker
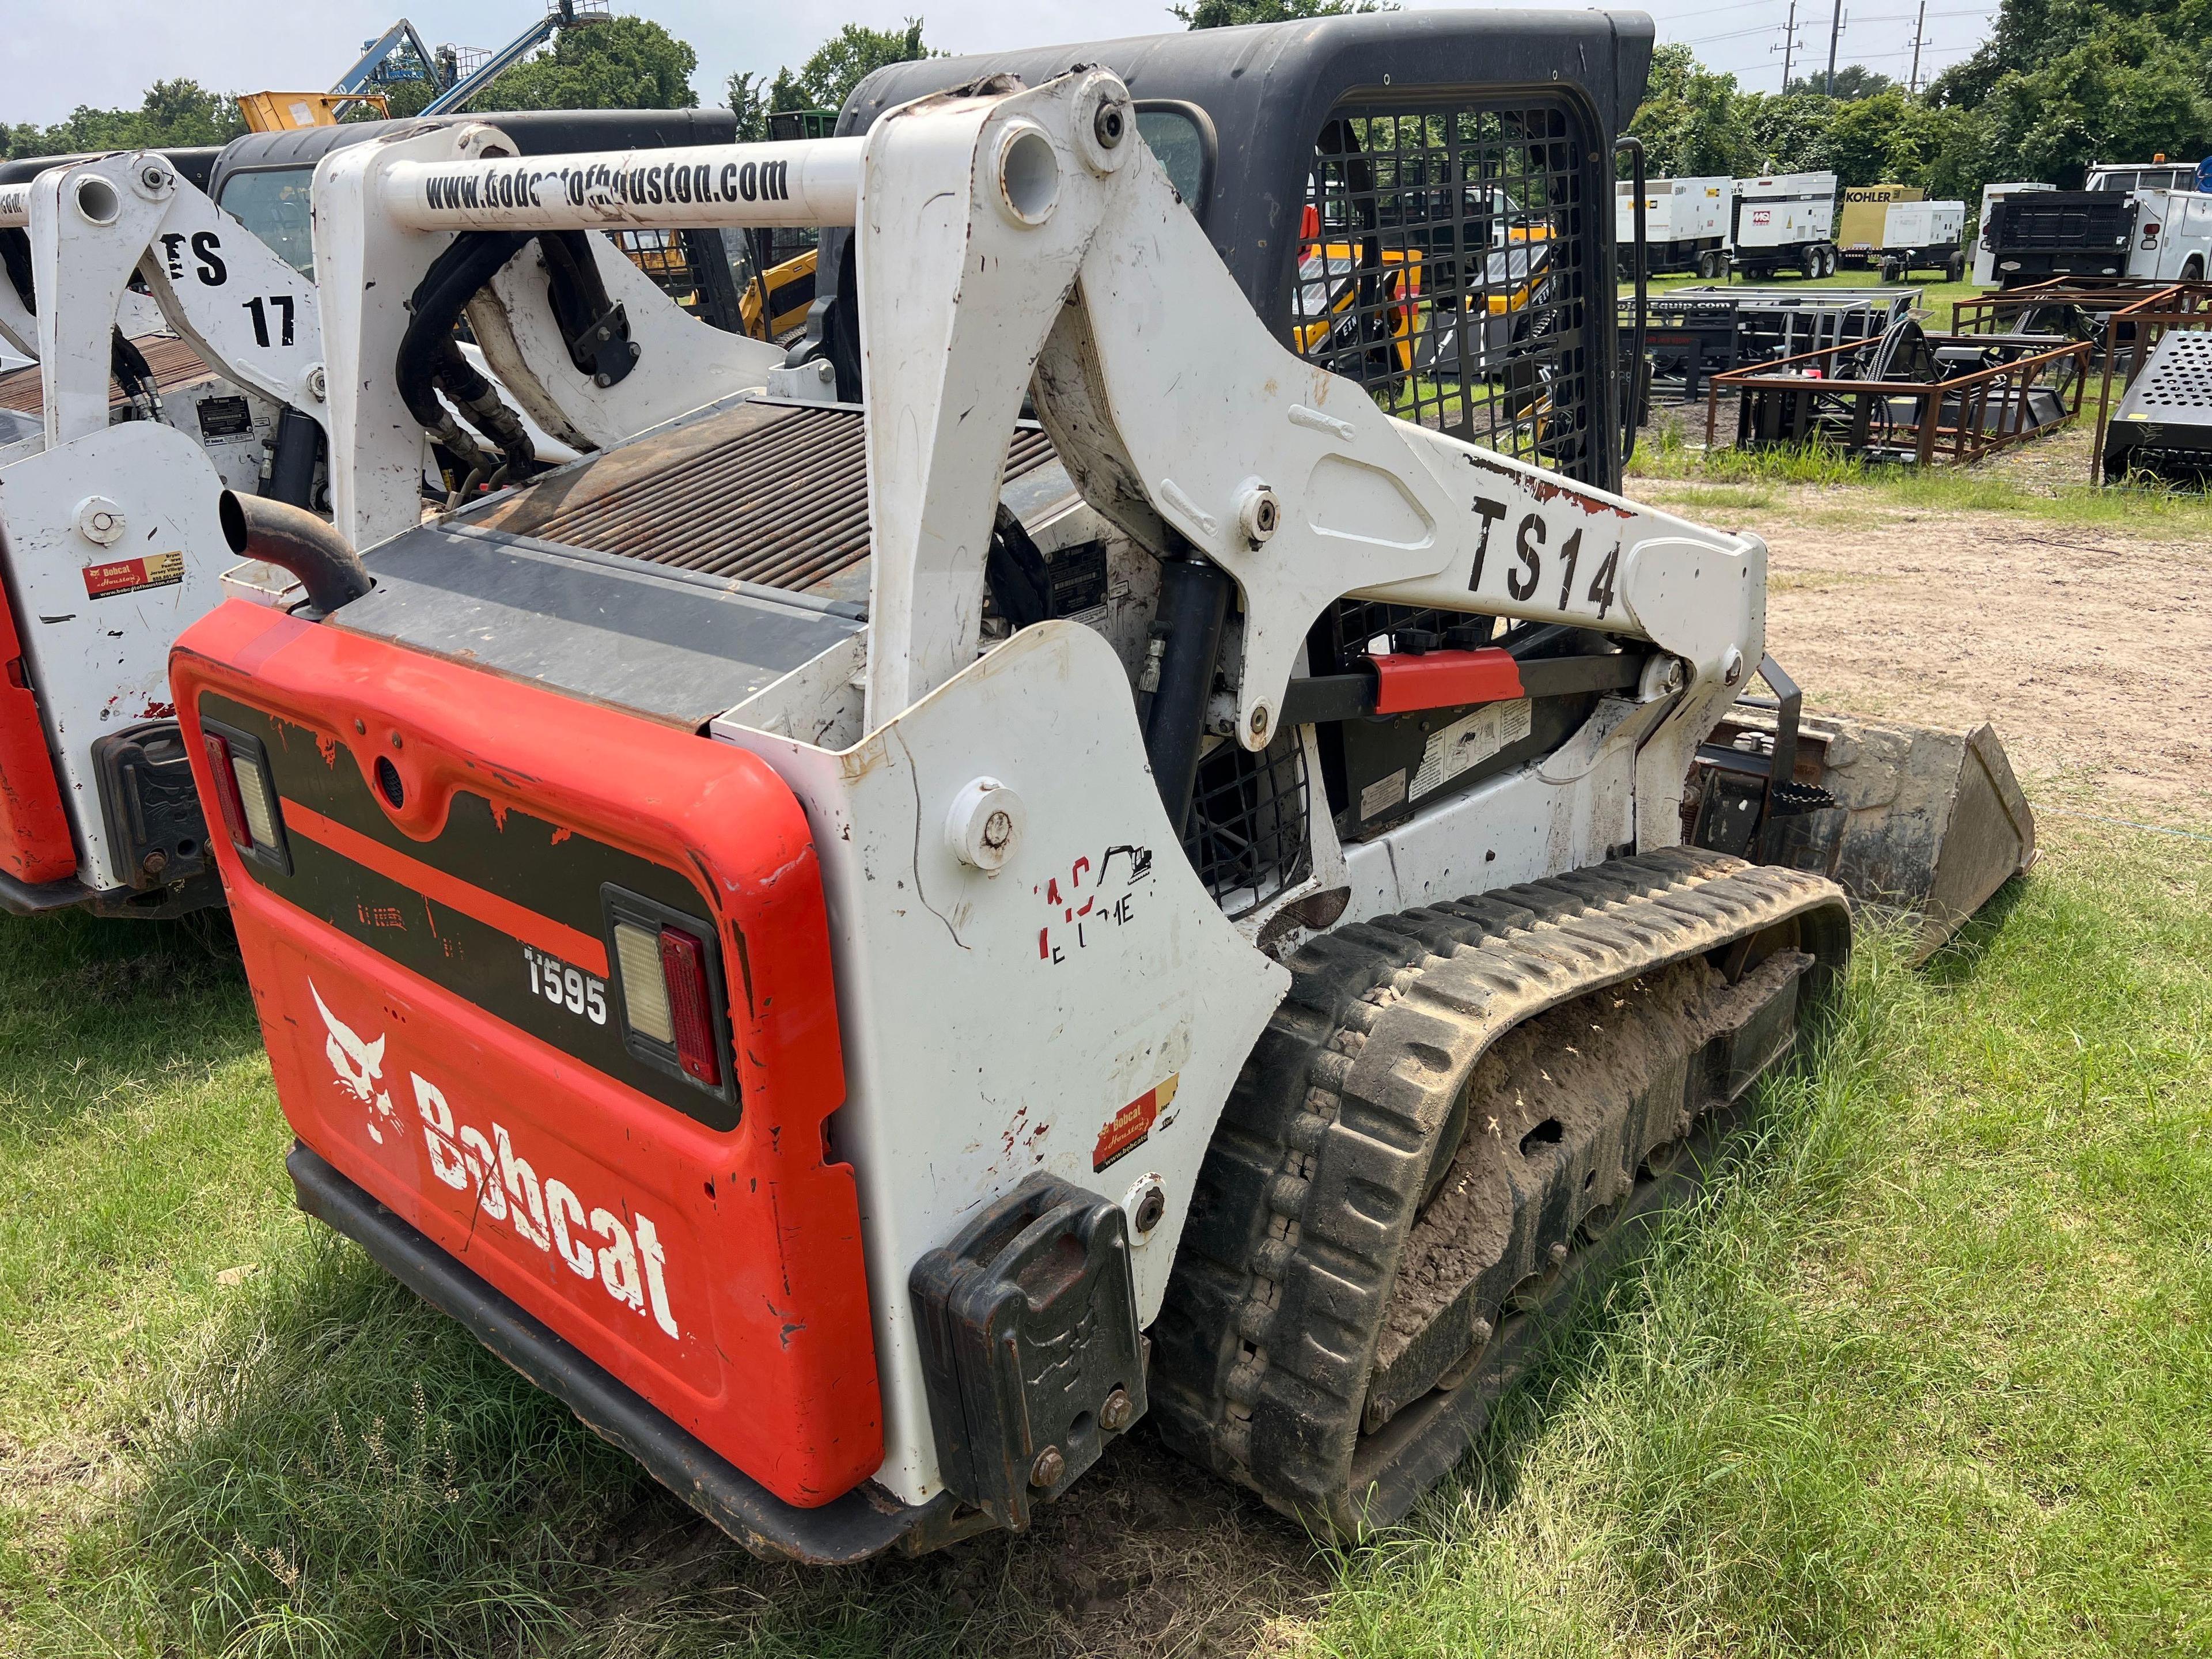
column 1379, row 796
column 1132, row 1126
column 103, row 582
column 1469, row 741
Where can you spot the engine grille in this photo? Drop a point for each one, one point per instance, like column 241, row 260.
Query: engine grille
column 173, row 360
column 765, row 492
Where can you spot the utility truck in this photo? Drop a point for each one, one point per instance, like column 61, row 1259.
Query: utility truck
column 1784, row 219
column 2148, row 221
column 1066, row 864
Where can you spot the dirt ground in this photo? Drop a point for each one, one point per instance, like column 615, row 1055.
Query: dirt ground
column 2086, row 651
column 2084, row 646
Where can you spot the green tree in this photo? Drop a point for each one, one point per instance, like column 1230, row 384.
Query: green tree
column 1692, row 121
column 1853, row 81
column 175, row 114
column 1226, row 14
column 2122, row 94
column 1790, row 134
column 749, row 102
column 614, row 62
column 848, row 57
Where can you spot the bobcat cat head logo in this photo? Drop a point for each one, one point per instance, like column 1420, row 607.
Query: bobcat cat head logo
column 359, row 1066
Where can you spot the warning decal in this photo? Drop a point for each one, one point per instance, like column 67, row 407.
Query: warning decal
column 129, row 575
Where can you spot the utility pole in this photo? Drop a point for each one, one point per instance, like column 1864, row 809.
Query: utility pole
column 1919, row 40
column 1835, row 30
column 1788, row 45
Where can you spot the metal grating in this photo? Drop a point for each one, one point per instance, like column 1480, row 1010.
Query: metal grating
column 1246, row 836
column 1444, row 264
column 173, row 360
column 783, row 503
column 2179, row 377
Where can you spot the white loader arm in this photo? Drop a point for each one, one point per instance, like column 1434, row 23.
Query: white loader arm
column 93, row 224
column 1015, row 241
column 1020, row 236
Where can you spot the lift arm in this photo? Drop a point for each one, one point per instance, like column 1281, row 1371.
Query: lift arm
column 93, row 224
column 1025, row 239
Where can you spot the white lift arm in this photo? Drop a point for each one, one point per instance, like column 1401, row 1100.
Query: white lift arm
column 95, row 223
column 1027, row 239
column 385, row 210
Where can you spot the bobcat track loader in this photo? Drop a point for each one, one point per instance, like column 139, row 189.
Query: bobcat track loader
column 869, row 947
column 112, row 542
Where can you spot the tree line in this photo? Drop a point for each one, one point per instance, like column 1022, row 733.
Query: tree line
column 2058, row 85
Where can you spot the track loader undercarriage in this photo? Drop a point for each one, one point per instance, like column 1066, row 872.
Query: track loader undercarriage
column 1451, row 1108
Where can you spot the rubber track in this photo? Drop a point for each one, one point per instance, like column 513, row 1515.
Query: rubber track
column 1267, row 1336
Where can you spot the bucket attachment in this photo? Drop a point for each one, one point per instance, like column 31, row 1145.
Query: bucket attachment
column 1908, row 819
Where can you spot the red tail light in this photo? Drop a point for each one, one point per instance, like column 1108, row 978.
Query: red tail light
column 225, row 793
column 690, row 1007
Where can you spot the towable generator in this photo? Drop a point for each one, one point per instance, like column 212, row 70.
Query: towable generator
column 107, row 518
column 868, row 947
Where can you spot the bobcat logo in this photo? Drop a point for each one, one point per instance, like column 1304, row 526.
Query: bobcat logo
column 359, row 1066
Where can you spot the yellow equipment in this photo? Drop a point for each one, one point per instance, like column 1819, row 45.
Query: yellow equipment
column 285, row 112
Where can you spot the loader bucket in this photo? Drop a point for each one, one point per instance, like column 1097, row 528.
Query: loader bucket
column 1910, row 819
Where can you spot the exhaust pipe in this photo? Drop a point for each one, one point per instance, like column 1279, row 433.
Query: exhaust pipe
column 295, row 539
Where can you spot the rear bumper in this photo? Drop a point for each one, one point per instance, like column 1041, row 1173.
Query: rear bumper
column 863, row 1523
column 23, row 898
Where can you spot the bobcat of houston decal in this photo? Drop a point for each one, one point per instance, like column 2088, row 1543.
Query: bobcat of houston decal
column 626, row 1258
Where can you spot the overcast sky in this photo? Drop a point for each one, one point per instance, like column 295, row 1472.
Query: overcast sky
column 58, row 54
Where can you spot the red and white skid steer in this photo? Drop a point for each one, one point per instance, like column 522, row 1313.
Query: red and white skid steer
column 869, row 946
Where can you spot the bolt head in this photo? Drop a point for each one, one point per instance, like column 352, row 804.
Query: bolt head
column 1116, row 1412
column 1109, row 125
column 1049, row 1468
column 154, row 862
column 1150, row 1209
column 998, row 829
column 1259, row 513
column 1260, row 721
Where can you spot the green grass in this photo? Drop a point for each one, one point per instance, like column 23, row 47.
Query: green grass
column 1671, row 455
column 1926, row 1375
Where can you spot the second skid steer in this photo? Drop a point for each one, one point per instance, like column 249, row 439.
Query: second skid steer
column 868, row 947
column 110, row 544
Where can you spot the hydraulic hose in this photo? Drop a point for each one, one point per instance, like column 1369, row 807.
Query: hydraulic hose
column 452, row 281
column 294, row 539
column 1194, row 605
column 478, row 400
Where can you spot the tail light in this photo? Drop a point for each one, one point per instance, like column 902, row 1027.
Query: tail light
column 684, row 972
column 227, row 794
column 667, row 971
column 239, row 769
